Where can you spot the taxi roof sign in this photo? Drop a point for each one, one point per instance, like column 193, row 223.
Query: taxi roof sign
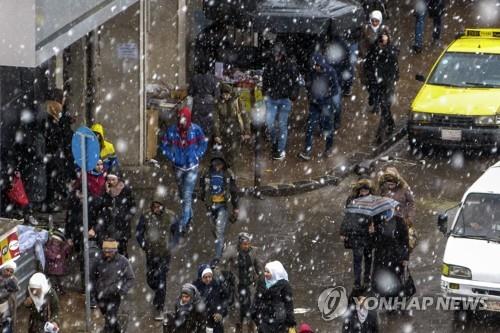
column 483, row 33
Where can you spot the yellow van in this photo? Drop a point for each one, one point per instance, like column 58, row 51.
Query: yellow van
column 459, row 103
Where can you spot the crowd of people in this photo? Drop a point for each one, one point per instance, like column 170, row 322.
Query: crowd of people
column 235, row 283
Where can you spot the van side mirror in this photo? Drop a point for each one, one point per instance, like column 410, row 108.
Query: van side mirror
column 443, row 223
column 420, row 77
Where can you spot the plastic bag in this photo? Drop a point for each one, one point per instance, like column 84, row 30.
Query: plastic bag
column 17, row 194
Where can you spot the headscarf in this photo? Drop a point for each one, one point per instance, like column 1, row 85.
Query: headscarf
column 39, row 281
column 277, row 271
column 183, row 123
column 377, row 15
column 10, row 264
column 204, row 269
column 191, row 290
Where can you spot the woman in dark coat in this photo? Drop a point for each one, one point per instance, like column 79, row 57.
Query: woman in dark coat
column 189, row 315
column 43, row 304
column 381, row 70
column 215, row 297
column 273, row 306
column 118, row 209
column 391, row 253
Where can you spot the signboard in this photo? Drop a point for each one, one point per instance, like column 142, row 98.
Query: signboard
column 9, row 245
column 92, row 147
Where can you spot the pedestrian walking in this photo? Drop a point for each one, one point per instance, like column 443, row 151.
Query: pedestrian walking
column 280, row 87
column 189, row 315
column 205, row 92
column 57, row 253
column 117, row 210
column 218, row 190
column 114, row 278
column 392, row 185
column 382, row 72
column 184, row 144
column 153, row 234
column 215, row 297
column 273, row 305
column 391, row 254
column 107, row 150
column 371, row 5
column 371, row 32
column 358, row 237
column 232, row 124
column 358, row 317
column 241, row 265
column 43, row 304
column 435, row 10
column 323, row 87
column 9, row 286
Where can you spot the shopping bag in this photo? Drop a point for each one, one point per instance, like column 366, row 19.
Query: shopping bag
column 17, row 194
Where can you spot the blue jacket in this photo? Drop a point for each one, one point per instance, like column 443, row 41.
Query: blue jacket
column 324, row 85
column 184, row 157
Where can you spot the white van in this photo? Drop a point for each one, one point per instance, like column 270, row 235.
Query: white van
column 471, row 262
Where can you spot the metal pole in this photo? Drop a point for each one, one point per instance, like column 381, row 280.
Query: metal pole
column 85, row 234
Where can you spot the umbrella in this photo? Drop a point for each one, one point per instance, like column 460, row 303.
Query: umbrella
column 370, row 205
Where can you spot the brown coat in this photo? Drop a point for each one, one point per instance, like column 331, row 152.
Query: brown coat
column 402, row 194
column 369, row 38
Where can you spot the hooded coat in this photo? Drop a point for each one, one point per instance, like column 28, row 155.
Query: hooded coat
column 273, row 307
column 370, row 35
column 402, row 194
column 187, row 318
column 108, row 153
column 323, row 85
column 214, row 295
column 184, row 150
column 280, row 79
column 44, row 308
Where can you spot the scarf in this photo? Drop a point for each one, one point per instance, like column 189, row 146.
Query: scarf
column 38, row 280
column 277, row 271
column 116, row 190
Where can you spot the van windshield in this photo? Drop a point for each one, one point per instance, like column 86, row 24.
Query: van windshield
column 479, row 217
column 467, row 70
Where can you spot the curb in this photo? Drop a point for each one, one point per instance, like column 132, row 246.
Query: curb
column 332, row 177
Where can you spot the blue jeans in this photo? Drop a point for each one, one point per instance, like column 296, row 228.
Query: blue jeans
column 186, row 181
column 220, row 217
column 337, row 110
column 420, row 27
column 280, row 108
column 322, row 115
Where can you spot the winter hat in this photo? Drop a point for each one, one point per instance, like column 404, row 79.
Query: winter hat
column 203, row 269
column 191, row 290
column 185, row 113
column 218, row 155
column 277, row 271
column 59, row 235
column 377, row 15
column 305, row 328
column 10, row 264
column 244, row 236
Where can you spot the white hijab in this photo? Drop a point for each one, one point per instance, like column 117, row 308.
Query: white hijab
column 277, row 271
column 38, row 280
column 376, row 14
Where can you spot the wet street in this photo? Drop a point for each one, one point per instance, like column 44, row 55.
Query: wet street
column 302, row 231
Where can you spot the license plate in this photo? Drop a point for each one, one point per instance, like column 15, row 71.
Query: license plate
column 493, row 306
column 451, row 135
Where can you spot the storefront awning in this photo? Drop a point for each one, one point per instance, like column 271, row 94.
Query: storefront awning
column 32, row 31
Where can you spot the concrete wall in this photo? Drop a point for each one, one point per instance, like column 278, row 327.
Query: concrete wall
column 117, row 99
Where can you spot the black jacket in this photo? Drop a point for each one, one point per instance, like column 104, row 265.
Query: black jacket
column 280, row 80
column 435, row 7
column 273, row 308
column 116, row 214
column 391, row 243
column 113, row 278
column 186, row 319
column 355, row 228
column 215, row 297
column 381, row 67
